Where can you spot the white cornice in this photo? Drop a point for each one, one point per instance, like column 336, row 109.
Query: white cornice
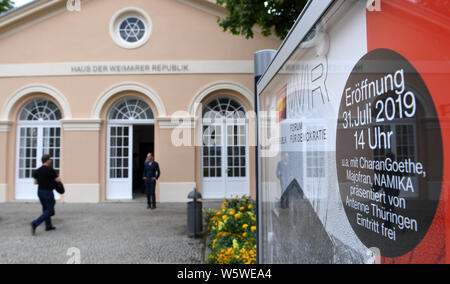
column 5, row 126
column 82, row 125
column 176, row 122
column 126, row 68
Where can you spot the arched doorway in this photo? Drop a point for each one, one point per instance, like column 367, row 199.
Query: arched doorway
column 225, row 154
column 39, row 133
column 130, row 137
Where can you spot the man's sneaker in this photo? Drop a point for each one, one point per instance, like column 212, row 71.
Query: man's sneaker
column 50, row 229
column 33, row 229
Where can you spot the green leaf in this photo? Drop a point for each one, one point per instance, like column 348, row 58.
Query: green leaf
column 272, row 16
column 6, row 5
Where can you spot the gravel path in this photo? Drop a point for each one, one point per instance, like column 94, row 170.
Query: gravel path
column 101, row 233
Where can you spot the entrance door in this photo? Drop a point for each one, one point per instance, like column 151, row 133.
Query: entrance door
column 125, row 115
column 120, row 166
column 38, row 134
column 143, row 143
column 236, row 159
column 225, row 150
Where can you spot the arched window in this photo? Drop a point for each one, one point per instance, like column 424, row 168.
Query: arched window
column 39, row 133
column 130, row 131
column 40, row 110
column 223, row 108
column 131, row 109
column 225, row 149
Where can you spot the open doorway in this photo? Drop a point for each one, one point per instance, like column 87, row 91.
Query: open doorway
column 143, row 143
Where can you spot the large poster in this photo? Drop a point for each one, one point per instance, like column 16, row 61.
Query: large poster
column 353, row 139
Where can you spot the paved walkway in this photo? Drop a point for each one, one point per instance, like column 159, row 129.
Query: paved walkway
column 103, row 233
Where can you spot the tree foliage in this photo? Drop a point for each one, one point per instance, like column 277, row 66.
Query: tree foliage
column 6, row 5
column 272, row 16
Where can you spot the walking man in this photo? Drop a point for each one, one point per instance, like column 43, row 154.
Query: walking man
column 151, row 175
column 45, row 177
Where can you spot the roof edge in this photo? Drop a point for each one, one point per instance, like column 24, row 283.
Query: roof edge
column 26, row 10
column 29, row 14
column 208, row 6
column 211, row 7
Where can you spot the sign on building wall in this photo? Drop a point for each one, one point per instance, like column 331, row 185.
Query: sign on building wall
column 353, row 138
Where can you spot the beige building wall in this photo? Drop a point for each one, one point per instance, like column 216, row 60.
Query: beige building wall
column 80, row 165
column 37, row 59
column 180, row 32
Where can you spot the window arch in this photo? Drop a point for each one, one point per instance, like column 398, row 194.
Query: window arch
column 40, row 110
column 131, row 109
column 224, row 107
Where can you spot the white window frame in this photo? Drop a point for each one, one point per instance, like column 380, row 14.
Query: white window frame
column 120, row 16
column 225, row 181
column 39, row 125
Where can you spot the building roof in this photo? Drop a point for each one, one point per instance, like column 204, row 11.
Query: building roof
column 13, row 10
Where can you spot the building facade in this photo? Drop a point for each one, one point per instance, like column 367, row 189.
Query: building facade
column 98, row 84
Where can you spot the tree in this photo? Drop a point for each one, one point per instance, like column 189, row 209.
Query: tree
column 5, row 5
column 272, row 16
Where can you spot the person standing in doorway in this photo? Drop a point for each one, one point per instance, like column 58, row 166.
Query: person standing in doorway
column 45, row 177
column 151, row 175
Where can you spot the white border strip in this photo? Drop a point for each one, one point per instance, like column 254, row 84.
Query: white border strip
column 313, row 12
column 305, row 22
column 125, row 68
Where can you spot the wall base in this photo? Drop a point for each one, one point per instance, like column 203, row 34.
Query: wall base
column 82, row 193
column 175, row 192
column 3, row 193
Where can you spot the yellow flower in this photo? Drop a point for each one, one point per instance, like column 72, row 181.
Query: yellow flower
column 253, row 228
column 244, row 234
column 225, row 217
column 245, row 226
column 237, row 216
column 250, row 206
column 242, row 208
